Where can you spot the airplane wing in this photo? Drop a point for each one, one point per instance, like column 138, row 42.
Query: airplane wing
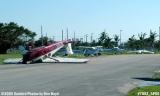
column 48, row 60
column 64, row 60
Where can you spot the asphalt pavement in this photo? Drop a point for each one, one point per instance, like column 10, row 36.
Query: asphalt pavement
column 101, row 76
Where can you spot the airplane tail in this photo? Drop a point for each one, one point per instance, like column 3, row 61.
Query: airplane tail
column 69, row 49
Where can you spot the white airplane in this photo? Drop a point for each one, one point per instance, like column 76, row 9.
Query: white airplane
column 45, row 54
column 141, row 52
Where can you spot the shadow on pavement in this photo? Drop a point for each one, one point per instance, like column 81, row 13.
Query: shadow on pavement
column 146, row 79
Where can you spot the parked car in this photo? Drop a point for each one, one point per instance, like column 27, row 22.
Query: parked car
column 92, row 52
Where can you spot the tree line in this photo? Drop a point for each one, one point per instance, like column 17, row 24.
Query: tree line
column 133, row 43
column 144, row 42
column 13, row 35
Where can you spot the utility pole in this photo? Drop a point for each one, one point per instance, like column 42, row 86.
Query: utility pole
column 81, row 39
column 91, row 37
column 120, row 36
column 67, row 33
column 46, row 34
column 74, row 36
column 86, row 37
column 53, row 38
column 41, row 35
column 159, row 33
column 62, row 34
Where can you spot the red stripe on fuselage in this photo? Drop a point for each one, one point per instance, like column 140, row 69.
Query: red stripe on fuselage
column 37, row 52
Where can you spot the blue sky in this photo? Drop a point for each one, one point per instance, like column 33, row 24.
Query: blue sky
column 83, row 16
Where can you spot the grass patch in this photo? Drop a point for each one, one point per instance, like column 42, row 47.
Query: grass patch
column 157, row 52
column 145, row 91
column 9, row 55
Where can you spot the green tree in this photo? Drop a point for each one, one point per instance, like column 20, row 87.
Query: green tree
column 102, row 38
column 93, row 43
column 116, row 40
column 131, row 42
column 39, row 42
column 157, row 45
column 105, row 40
column 12, row 35
column 141, row 41
column 151, row 39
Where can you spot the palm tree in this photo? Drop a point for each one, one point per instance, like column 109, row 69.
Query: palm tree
column 107, row 42
column 131, row 42
column 152, row 38
column 142, row 39
column 116, row 40
column 102, row 38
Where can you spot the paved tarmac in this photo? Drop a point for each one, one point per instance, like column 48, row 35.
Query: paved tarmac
column 101, row 76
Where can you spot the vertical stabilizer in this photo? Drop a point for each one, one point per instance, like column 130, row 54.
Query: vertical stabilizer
column 69, row 49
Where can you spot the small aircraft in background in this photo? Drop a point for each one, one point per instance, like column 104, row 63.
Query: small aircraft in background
column 45, row 54
column 141, row 52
